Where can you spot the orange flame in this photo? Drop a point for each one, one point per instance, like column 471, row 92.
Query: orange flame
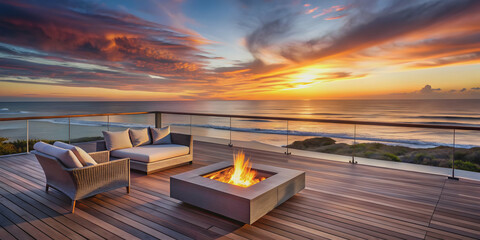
column 241, row 174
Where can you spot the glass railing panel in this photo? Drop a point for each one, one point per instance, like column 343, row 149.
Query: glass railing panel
column 422, row 146
column 467, row 150
column 259, row 133
column 336, row 140
column 13, row 137
column 216, row 129
column 86, row 129
column 49, row 130
column 177, row 123
column 122, row 122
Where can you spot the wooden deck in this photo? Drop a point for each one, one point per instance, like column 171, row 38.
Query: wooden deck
column 340, row 201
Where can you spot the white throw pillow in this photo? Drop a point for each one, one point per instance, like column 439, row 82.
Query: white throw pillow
column 82, row 156
column 117, row 140
column 66, row 156
column 161, row 135
column 140, row 137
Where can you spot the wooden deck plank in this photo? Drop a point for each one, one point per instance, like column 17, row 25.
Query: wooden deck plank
column 340, row 201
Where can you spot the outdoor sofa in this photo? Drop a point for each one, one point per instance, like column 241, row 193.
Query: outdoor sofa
column 149, row 149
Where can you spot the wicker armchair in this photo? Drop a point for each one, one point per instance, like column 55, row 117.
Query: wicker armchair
column 79, row 183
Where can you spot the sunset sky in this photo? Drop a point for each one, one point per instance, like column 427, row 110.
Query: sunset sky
column 195, row 50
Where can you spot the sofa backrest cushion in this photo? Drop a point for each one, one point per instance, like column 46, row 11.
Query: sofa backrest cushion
column 65, row 156
column 140, row 137
column 117, row 140
column 82, row 156
column 161, row 135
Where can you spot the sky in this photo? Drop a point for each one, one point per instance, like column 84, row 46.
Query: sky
column 154, row 50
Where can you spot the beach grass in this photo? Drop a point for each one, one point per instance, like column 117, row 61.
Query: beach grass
column 465, row 159
column 20, row 146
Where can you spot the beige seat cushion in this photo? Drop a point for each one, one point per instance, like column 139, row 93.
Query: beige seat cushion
column 82, row 156
column 161, row 135
column 117, row 140
column 66, row 156
column 152, row 153
column 140, row 137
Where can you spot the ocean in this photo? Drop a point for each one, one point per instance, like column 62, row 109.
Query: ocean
column 452, row 112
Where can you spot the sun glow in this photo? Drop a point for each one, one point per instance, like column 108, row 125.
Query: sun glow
column 305, row 78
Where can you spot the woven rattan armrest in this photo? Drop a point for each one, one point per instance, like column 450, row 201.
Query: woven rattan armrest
column 102, row 177
column 101, row 156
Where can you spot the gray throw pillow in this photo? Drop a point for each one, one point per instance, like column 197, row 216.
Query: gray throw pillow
column 117, row 140
column 82, row 156
column 65, row 156
column 161, row 135
column 140, row 137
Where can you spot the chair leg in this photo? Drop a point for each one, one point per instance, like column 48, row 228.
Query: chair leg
column 128, row 189
column 73, row 206
column 46, row 188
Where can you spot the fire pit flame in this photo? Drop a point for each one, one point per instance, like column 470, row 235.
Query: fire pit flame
column 241, row 174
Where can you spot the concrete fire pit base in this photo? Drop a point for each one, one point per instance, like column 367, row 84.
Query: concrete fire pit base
column 242, row 204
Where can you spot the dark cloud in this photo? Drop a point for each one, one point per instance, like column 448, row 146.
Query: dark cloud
column 476, row 88
column 115, row 37
column 463, row 90
column 384, row 26
column 428, row 89
column 269, row 32
column 449, row 60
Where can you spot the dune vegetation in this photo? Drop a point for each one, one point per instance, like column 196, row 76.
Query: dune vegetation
column 19, row 146
column 465, row 159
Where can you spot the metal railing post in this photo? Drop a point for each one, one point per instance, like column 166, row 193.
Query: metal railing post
column 28, row 138
column 108, row 123
column 453, row 158
column 190, row 124
column 354, row 143
column 287, row 152
column 69, row 131
column 158, row 119
column 230, row 131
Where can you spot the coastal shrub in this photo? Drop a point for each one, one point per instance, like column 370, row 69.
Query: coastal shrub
column 438, row 156
column 460, row 155
column 367, row 154
column 312, row 143
column 392, row 157
column 463, row 165
column 17, row 146
column 472, row 156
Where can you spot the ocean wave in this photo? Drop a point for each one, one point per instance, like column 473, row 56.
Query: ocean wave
column 254, row 120
column 94, row 123
column 419, row 143
column 448, row 117
column 4, row 112
column 447, row 123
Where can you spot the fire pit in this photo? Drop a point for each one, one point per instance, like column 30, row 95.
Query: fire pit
column 242, row 191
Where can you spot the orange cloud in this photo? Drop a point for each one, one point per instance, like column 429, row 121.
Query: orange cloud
column 311, row 10
column 333, row 18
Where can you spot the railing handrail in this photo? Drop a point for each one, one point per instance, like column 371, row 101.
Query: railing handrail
column 319, row 120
